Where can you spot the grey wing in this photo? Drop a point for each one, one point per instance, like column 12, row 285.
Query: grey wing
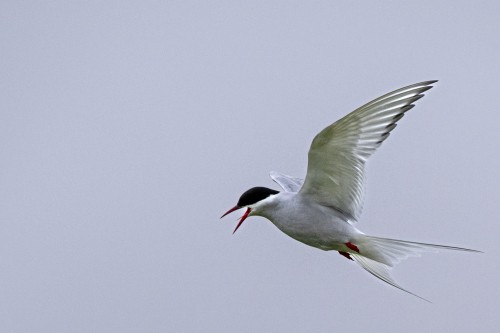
column 288, row 183
column 337, row 156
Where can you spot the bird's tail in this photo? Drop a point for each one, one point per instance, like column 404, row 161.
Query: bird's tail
column 378, row 255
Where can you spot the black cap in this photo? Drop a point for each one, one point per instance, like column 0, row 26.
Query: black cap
column 254, row 195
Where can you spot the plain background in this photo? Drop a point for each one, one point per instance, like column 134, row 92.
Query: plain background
column 128, row 127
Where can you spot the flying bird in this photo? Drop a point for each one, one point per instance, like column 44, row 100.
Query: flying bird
column 321, row 209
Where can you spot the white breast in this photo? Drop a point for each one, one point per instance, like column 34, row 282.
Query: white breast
column 307, row 221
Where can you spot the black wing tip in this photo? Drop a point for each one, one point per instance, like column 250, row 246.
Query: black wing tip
column 428, row 83
column 408, row 107
column 423, row 86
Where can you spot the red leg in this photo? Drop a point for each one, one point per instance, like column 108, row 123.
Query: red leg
column 345, row 254
column 352, row 246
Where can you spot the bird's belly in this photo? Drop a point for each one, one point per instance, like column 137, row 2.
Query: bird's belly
column 325, row 231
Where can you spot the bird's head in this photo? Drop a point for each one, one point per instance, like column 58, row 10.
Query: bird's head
column 250, row 200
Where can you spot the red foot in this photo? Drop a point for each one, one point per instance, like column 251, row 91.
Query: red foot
column 352, row 246
column 345, row 254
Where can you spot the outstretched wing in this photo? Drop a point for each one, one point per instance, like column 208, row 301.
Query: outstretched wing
column 336, row 161
column 288, row 183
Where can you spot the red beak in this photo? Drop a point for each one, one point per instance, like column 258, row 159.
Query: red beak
column 231, row 210
column 243, row 218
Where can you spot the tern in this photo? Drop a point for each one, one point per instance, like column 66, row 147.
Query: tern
column 321, row 209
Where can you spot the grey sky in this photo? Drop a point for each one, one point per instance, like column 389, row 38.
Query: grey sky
column 128, row 128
